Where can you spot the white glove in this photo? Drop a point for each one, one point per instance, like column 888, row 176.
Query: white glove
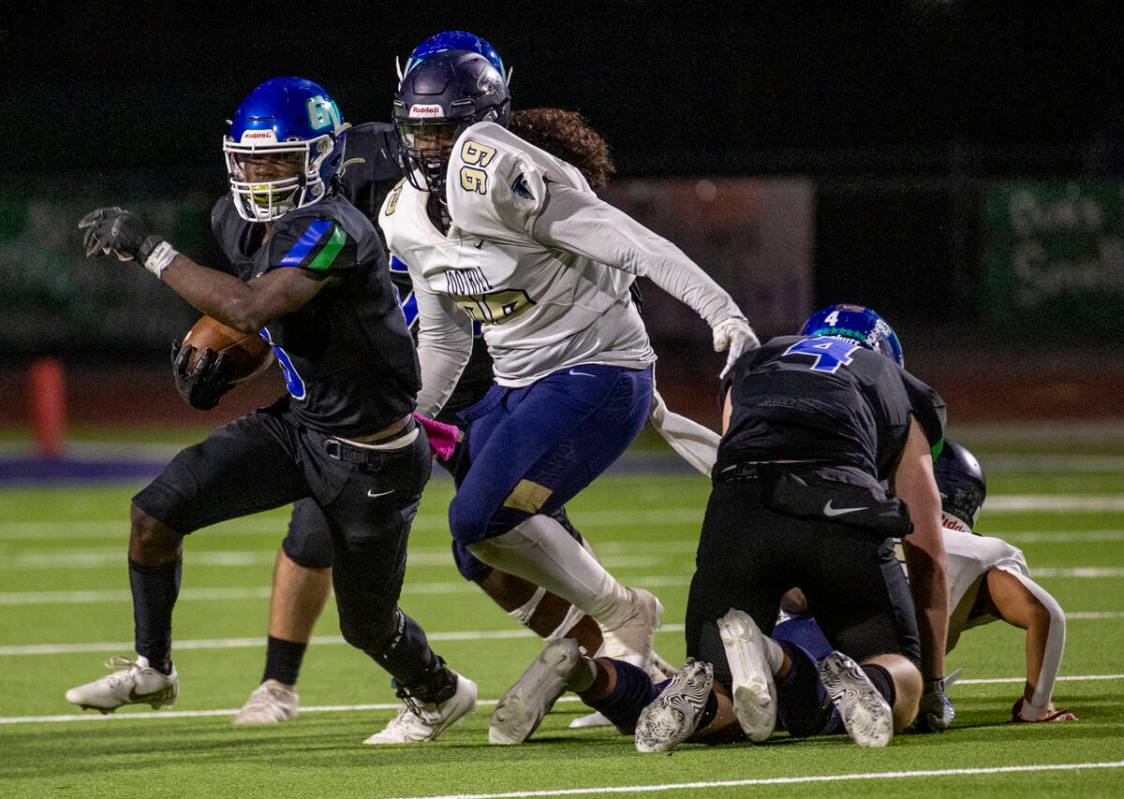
column 734, row 335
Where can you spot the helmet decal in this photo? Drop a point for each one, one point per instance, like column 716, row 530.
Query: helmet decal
column 855, row 323
column 287, row 120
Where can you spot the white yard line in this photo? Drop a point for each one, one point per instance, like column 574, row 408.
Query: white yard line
column 591, row 519
column 430, row 588
column 191, row 714
column 244, row 643
column 870, row 775
column 149, row 715
column 1054, row 503
column 22, row 531
column 1063, row 678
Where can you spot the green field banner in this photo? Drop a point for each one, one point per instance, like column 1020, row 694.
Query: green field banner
column 1053, row 253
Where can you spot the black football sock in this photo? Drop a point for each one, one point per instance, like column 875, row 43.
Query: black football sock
column 802, row 704
column 632, row 693
column 283, row 660
column 155, row 589
column 882, row 681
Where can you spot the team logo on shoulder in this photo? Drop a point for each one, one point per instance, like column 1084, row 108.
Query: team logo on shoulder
column 520, row 188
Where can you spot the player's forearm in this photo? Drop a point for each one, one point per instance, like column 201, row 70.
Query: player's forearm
column 217, row 294
column 580, row 223
column 928, row 586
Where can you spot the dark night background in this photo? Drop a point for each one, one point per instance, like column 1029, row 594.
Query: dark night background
column 786, row 87
column 901, row 114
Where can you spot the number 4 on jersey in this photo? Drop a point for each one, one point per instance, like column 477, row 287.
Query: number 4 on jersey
column 829, row 353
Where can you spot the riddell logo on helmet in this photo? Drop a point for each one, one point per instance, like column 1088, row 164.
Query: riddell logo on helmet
column 259, row 135
column 427, row 111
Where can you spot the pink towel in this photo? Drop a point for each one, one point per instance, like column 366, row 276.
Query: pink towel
column 443, row 437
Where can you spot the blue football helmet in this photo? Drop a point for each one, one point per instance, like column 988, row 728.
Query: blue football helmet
column 856, row 323
column 438, row 99
column 962, row 486
column 454, row 40
column 284, row 117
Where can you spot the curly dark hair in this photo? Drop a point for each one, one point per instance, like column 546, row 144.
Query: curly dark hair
column 567, row 135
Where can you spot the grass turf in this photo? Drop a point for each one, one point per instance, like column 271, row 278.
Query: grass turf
column 71, row 539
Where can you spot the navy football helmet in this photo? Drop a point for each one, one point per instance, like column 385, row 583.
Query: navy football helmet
column 962, row 485
column 856, row 323
column 455, row 40
column 284, row 117
column 437, row 100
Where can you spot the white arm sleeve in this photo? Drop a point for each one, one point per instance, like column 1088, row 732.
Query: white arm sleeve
column 691, row 441
column 579, row 222
column 1055, row 643
column 444, row 347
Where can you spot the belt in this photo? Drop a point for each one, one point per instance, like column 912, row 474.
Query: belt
column 357, row 452
column 739, row 471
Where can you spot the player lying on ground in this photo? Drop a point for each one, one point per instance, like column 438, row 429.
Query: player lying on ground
column 812, row 424
column 499, row 232
column 313, row 280
column 988, row 580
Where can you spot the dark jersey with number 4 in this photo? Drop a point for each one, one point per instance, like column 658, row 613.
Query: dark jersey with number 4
column 824, row 400
column 347, row 357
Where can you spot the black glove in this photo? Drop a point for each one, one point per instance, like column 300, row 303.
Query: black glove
column 203, row 383
column 935, row 712
column 118, row 231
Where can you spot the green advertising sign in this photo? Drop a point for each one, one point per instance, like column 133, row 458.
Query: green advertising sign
column 1054, row 253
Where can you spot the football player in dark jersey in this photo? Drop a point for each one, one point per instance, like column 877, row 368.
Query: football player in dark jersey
column 302, row 573
column 313, row 280
column 812, row 425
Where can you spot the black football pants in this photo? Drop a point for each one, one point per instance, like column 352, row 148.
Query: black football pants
column 749, row 555
column 368, row 497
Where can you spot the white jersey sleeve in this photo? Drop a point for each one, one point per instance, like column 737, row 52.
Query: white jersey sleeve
column 444, row 332
column 497, row 182
column 581, row 223
column 444, row 347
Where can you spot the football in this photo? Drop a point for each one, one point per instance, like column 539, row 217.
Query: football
column 245, row 354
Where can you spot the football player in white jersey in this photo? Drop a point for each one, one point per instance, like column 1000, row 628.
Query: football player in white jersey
column 988, row 580
column 499, row 232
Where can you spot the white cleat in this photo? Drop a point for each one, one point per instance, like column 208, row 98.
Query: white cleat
column 674, row 715
column 594, row 719
column 865, row 713
column 631, row 641
column 271, row 703
column 131, row 684
column 521, row 710
column 418, row 722
column 754, row 692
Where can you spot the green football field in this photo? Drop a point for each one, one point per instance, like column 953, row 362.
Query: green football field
column 66, row 608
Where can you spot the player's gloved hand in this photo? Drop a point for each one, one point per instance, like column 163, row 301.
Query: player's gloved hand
column 203, row 383
column 735, row 336
column 935, row 713
column 126, row 235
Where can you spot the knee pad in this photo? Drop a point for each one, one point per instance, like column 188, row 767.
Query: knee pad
column 372, row 633
column 307, row 549
column 470, row 567
column 468, row 518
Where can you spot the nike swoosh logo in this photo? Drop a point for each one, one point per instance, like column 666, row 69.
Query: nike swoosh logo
column 372, row 494
column 830, row 511
column 162, row 693
column 582, row 374
column 478, row 244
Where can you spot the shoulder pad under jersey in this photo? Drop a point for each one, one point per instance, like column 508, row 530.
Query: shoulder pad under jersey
column 496, row 181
